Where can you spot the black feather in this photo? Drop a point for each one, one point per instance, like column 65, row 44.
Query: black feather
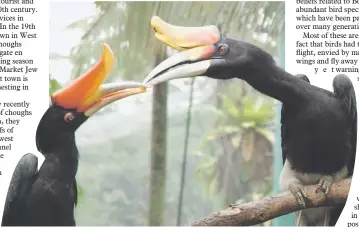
column 21, row 182
column 49, row 198
column 344, row 90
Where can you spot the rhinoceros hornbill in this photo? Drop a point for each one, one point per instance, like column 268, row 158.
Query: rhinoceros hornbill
column 318, row 126
column 48, row 196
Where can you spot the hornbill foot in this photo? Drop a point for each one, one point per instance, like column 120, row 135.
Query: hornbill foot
column 324, row 184
column 299, row 193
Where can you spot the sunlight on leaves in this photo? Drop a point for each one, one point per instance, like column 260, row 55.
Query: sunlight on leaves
column 80, row 194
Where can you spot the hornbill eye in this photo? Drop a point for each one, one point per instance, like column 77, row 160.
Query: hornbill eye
column 223, row 49
column 69, row 117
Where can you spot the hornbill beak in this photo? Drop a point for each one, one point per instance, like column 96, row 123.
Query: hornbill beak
column 198, row 46
column 87, row 94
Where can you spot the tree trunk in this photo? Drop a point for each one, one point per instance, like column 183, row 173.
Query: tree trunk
column 184, row 158
column 158, row 149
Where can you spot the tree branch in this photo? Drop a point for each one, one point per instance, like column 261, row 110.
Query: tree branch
column 271, row 207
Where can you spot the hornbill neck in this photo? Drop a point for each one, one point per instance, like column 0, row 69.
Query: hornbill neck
column 61, row 160
column 277, row 83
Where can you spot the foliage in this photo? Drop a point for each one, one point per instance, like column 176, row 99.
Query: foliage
column 252, row 114
column 54, row 85
column 116, row 182
column 244, row 130
column 116, row 179
column 80, row 194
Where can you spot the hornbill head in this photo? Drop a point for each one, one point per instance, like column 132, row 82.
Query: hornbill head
column 204, row 51
column 74, row 104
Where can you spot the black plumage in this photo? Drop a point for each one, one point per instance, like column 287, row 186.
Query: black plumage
column 319, row 133
column 346, row 114
column 49, row 195
column 23, row 177
column 319, row 127
column 345, row 92
column 284, row 113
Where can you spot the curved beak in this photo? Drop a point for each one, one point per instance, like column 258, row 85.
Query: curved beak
column 87, row 94
column 197, row 46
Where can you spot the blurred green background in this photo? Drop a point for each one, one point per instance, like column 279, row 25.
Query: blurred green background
column 188, row 148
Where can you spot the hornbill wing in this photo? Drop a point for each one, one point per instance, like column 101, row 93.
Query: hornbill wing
column 21, row 182
column 284, row 114
column 344, row 90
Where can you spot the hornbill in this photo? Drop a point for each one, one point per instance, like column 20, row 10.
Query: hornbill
column 48, row 196
column 318, row 126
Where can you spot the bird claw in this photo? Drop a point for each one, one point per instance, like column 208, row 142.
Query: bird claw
column 324, row 184
column 299, row 193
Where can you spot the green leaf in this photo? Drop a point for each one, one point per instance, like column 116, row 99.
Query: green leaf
column 206, row 172
column 54, row 85
column 80, row 194
column 230, row 107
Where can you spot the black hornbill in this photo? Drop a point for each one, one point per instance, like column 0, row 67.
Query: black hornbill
column 48, row 196
column 318, row 126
